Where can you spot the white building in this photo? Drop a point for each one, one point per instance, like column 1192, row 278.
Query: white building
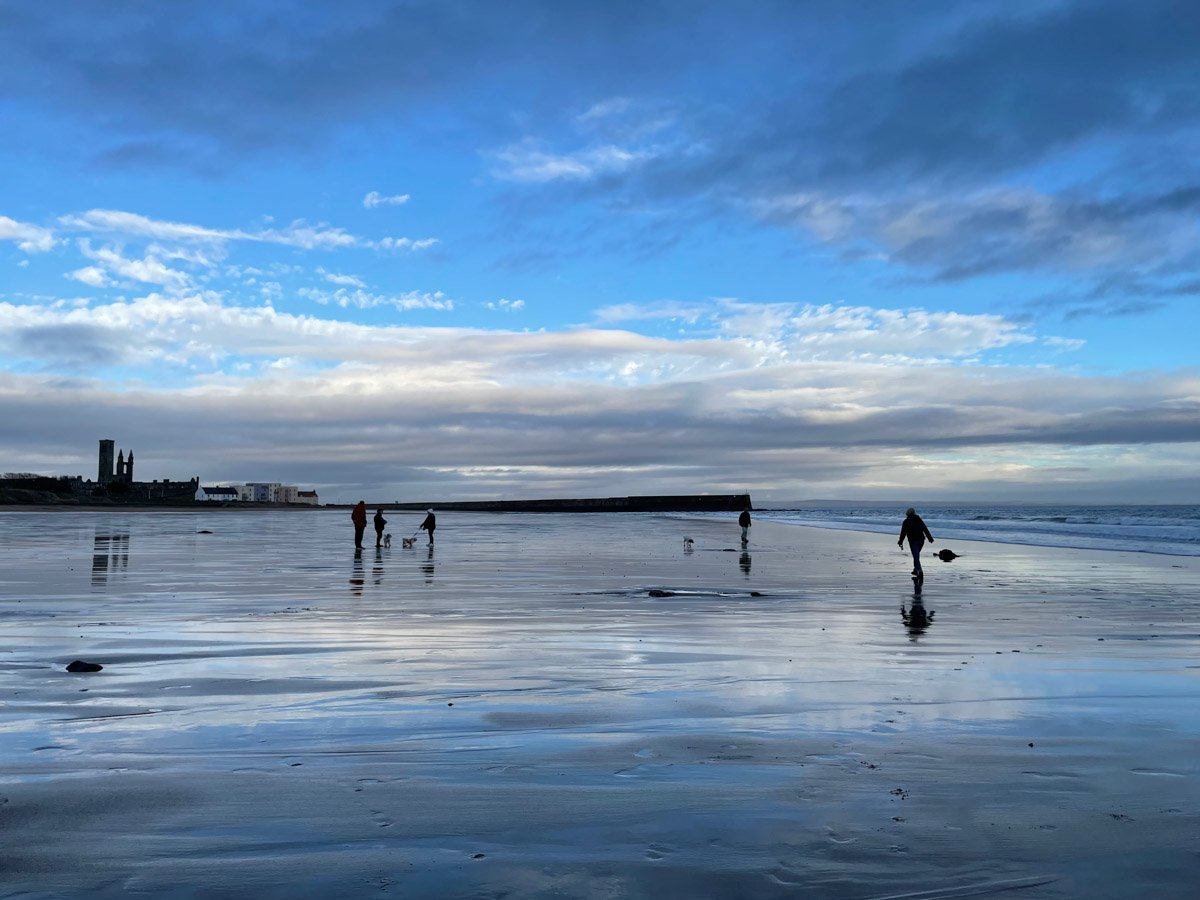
column 309, row 497
column 217, row 494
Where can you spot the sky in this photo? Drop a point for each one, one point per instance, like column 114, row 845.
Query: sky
column 463, row 250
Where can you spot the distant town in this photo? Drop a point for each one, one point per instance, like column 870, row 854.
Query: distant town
column 115, row 484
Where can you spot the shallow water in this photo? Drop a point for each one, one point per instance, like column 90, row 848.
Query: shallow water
column 279, row 717
column 1172, row 530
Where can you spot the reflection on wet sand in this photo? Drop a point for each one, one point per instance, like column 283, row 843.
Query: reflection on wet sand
column 356, row 573
column 917, row 618
column 377, row 569
column 110, row 553
column 744, row 563
column 427, row 566
column 538, row 712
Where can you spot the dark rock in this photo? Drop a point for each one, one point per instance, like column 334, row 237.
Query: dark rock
column 946, row 555
column 756, row 593
column 78, row 665
column 655, row 592
column 203, row 531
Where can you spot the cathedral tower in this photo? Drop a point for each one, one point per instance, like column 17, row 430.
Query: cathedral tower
column 105, row 474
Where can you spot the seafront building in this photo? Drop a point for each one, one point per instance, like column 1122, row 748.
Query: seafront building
column 256, row 492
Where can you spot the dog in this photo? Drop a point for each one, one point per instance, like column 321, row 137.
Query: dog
column 387, row 540
column 407, row 542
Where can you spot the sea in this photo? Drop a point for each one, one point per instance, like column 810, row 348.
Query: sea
column 1173, row 530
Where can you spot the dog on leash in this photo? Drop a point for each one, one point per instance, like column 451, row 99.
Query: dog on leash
column 407, row 542
column 387, row 540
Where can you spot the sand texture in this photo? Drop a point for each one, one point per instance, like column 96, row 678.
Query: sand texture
column 513, row 714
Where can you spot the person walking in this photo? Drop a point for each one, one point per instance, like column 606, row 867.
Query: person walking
column 380, row 524
column 359, row 518
column 744, row 521
column 429, row 524
column 917, row 533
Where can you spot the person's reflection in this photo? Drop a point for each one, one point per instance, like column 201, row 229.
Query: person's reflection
column 916, row 617
column 377, row 569
column 427, row 566
column 744, row 563
column 356, row 573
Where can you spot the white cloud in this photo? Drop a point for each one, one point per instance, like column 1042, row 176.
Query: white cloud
column 346, row 280
column 93, row 276
column 374, row 199
column 112, row 221
column 310, row 237
column 111, row 265
column 526, row 162
column 362, row 299
column 831, row 331
column 633, row 312
column 503, row 305
column 404, row 243
column 605, row 109
column 1062, row 343
column 29, row 238
column 298, row 234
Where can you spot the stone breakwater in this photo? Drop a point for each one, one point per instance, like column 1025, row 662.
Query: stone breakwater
column 659, row 503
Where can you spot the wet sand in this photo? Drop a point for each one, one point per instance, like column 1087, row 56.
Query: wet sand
column 513, row 714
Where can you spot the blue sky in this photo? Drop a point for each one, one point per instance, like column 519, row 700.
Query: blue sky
column 462, row 249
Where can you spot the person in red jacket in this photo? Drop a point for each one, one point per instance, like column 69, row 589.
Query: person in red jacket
column 914, row 529
column 359, row 518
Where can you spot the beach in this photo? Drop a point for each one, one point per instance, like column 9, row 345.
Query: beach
column 514, row 713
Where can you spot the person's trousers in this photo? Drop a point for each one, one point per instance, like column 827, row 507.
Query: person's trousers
column 358, row 534
column 915, row 548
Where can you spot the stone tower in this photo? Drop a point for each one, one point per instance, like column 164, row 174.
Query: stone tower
column 106, row 462
column 129, row 467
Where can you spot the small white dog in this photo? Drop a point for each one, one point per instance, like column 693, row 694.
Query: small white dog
column 407, row 542
column 387, row 540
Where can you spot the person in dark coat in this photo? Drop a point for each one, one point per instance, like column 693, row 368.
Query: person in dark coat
column 744, row 521
column 380, row 524
column 915, row 531
column 359, row 518
column 429, row 524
